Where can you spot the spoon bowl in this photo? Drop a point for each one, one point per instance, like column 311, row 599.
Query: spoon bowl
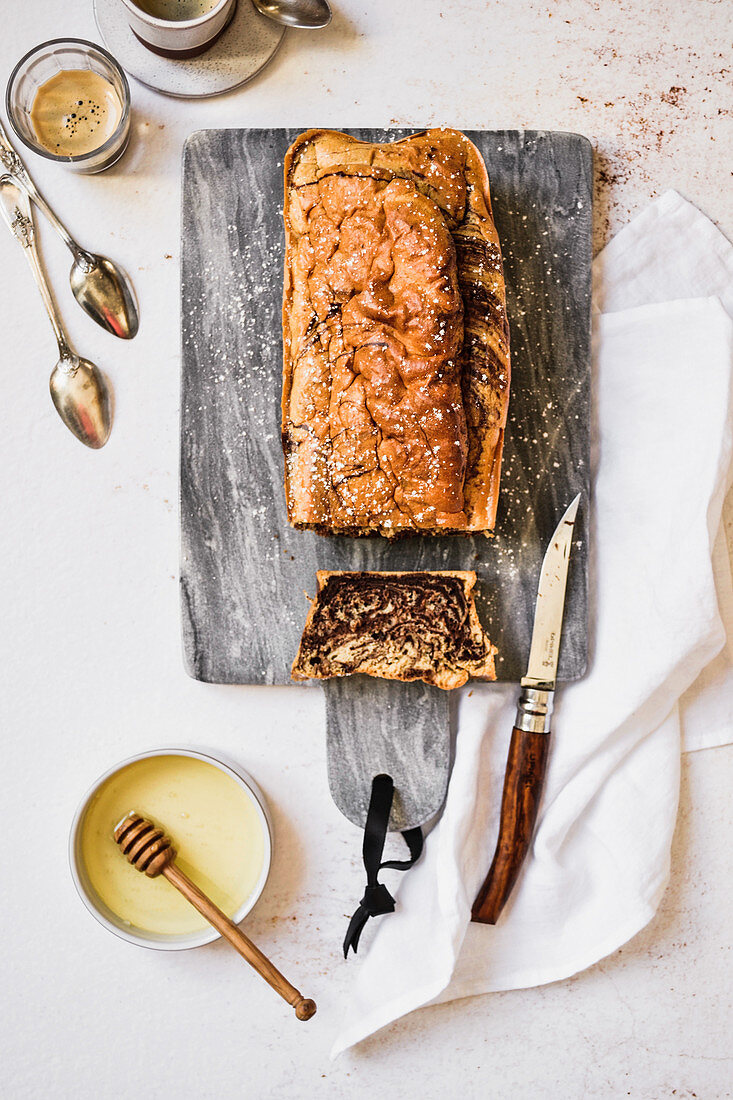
column 100, row 287
column 307, row 15
column 78, row 389
column 104, row 292
column 81, row 398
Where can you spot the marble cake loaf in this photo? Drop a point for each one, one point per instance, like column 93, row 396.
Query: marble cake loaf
column 396, row 343
column 398, row 626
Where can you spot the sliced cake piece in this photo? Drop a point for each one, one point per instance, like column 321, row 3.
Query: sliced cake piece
column 398, row 626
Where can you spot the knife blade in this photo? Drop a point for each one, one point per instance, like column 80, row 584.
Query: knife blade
column 527, row 760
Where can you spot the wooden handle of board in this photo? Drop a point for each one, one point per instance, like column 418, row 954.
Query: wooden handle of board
column 149, row 850
column 523, row 782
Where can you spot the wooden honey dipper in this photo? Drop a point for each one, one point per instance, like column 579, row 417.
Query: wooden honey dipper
column 149, row 850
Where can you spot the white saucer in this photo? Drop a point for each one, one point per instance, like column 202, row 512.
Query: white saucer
column 246, row 46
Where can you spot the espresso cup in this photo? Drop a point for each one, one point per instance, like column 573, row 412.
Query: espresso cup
column 46, row 63
column 178, row 28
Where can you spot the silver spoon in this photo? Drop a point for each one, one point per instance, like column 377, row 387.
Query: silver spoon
column 100, row 287
column 308, row 15
column 78, row 389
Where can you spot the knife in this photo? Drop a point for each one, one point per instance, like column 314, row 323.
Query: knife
column 525, row 769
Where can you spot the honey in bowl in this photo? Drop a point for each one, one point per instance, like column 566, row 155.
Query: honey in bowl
column 75, row 112
column 215, row 827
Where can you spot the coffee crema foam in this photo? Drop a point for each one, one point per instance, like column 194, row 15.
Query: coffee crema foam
column 75, row 112
column 177, row 11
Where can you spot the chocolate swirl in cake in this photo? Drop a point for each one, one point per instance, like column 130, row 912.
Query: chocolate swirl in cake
column 400, row 626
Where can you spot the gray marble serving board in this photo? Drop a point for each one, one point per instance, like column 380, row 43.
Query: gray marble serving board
column 244, row 570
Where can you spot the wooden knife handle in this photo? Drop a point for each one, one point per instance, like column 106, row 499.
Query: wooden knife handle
column 525, row 774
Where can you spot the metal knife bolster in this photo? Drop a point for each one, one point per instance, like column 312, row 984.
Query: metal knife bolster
column 534, row 710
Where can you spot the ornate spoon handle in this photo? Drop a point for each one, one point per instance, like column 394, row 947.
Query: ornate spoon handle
column 15, row 167
column 16, row 211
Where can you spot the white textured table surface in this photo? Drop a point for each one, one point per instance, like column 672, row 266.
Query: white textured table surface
column 90, row 638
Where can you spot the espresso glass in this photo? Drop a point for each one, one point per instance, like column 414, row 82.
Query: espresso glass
column 40, row 65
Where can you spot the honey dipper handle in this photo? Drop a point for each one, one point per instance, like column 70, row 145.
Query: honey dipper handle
column 304, row 1007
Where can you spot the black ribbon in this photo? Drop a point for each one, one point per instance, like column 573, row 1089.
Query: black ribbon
column 377, row 898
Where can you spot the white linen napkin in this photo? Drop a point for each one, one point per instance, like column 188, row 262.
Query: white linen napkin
column 672, row 251
column 600, row 859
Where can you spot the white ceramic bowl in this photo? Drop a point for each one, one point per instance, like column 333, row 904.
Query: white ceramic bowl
column 179, row 38
column 138, row 936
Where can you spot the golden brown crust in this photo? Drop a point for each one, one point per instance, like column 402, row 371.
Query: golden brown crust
column 396, row 363
column 396, row 626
